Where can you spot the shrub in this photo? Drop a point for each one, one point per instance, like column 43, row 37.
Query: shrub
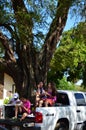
column 65, row 85
column 6, row 100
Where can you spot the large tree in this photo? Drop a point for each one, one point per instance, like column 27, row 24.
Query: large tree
column 70, row 57
column 20, row 21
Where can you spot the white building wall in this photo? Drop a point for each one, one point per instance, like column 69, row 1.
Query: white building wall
column 7, row 88
column 8, row 83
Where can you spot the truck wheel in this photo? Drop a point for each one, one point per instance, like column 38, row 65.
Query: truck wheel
column 61, row 126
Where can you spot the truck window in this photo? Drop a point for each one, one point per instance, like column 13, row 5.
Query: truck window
column 80, row 100
column 62, row 99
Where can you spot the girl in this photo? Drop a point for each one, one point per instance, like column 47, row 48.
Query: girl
column 40, row 94
column 51, row 94
column 24, row 108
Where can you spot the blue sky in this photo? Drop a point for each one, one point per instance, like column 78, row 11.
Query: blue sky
column 70, row 23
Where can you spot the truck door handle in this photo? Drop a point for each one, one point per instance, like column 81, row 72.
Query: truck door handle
column 78, row 111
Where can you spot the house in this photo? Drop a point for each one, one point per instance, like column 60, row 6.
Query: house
column 7, row 87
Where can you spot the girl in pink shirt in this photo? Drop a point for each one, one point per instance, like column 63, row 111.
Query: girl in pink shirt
column 24, row 108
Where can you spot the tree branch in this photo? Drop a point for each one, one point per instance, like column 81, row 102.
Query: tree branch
column 18, row 5
column 55, row 31
column 7, row 26
column 7, row 47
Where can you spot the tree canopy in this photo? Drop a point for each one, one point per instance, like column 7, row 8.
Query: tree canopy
column 70, row 56
column 29, row 34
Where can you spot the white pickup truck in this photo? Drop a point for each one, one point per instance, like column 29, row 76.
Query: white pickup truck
column 69, row 112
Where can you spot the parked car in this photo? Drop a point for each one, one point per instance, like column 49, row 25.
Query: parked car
column 69, row 112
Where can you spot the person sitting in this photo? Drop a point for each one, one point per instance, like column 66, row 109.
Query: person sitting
column 40, row 94
column 24, row 108
column 14, row 99
column 51, row 94
column 10, row 107
column 37, row 95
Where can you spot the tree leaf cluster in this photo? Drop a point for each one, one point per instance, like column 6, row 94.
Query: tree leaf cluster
column 70, row 56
